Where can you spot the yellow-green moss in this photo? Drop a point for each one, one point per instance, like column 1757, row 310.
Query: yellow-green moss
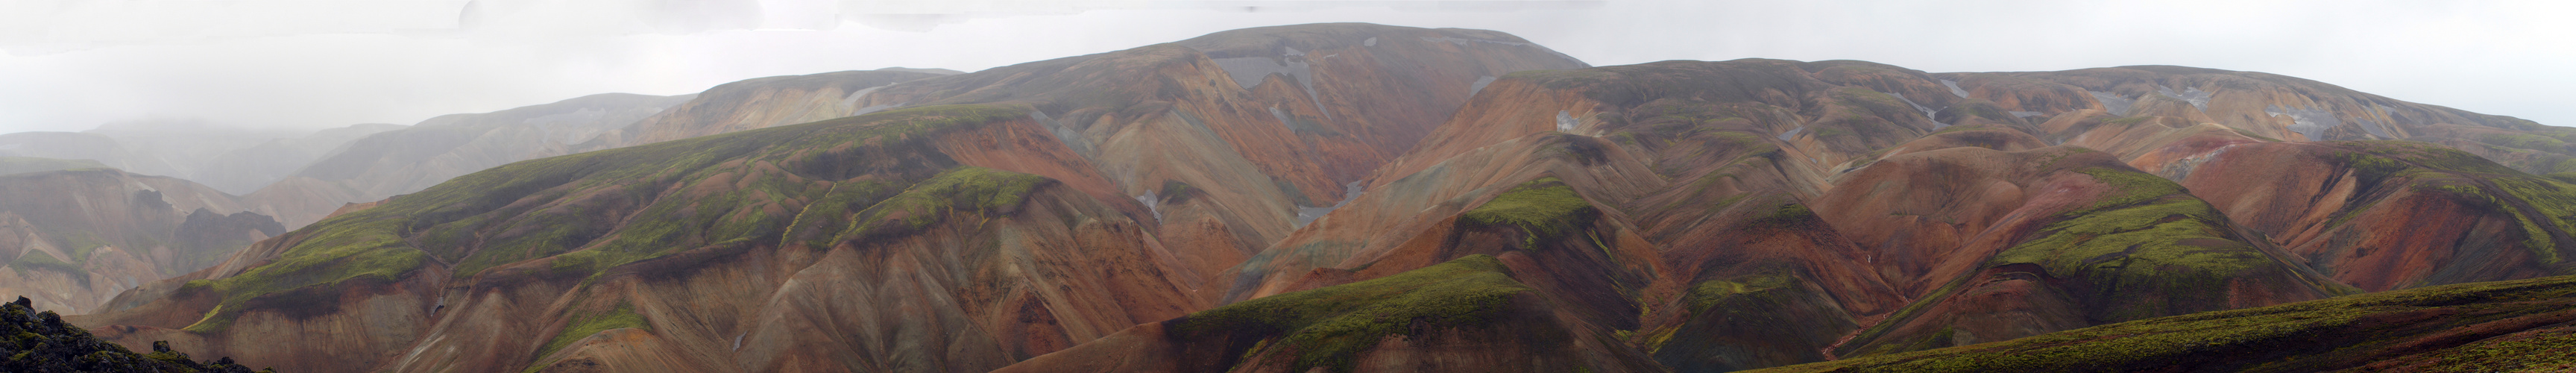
column 1541, row 208
column 1328, row 327
column 2260, row 336
column 585, row 324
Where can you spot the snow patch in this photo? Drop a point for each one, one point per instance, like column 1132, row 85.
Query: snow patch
column 2199, row 99
column 1480, row 85
column 1927, row 112
column 853, row 99
column 1307, row 215
column 1464, row 41
column 1793, row 132
column 1372, row 41
column 2181, row 168
column 1954, row 88
column 1153, row 204
column 2311, row 122
column 1565, row 121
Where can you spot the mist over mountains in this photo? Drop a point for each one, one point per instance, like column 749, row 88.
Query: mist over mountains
column 1343, row 197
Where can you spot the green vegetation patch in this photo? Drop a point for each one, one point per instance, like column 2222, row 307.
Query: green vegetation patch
column 975, row 191
column 1545, row 207
column 1328, row 327
column 2128, row 188
column 2433, row 168
column 347, row 250
column 1740, row 294
column 584, row 324
column 2296, row 337
column 2524, row 141
column 2550, row 351
column 39, row 260
column 2161, row 258
column 17, row 165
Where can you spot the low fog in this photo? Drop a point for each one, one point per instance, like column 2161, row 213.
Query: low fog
column 299, row 65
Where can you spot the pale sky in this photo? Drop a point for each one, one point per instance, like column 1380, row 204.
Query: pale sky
column 71, row 65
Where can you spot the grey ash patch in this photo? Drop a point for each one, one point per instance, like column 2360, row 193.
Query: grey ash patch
column 2111, row 102
column 1480, row 85
column 1250, row 72
column 2199, row 99
column 1071, row 137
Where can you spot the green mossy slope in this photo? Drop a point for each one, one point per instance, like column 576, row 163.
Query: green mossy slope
column 583, row 209
column 2519, row 325
column 1326, row 328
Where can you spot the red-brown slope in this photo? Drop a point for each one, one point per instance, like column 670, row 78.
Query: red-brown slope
column 2080, row 239
column 1236, row 138
column 762, row 250
column 1472, row 314
column 2393, row 215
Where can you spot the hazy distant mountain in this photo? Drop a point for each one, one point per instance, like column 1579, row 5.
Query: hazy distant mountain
column 235, row 160
column 408, row 159
column 1356, row 197
column 76, row 238
column 758, row 103
column 245, row 170
column 19, row 165
column 84, row 146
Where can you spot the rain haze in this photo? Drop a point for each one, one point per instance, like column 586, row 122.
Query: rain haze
column 73, row 65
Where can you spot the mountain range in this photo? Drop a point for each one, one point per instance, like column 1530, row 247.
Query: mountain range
column 1359, row 197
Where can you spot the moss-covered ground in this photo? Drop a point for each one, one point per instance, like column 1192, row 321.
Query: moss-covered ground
column 1540, row 208
column 1326, row 328
column 2321, row 335
column 585, row 324
column 728, row 189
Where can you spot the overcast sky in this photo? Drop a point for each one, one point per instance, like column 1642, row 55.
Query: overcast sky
column 72, row 65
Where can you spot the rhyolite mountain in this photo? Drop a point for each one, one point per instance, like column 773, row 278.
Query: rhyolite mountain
column 1355, row 197
column 1001, row 207
column 414, row 158
column 76, row 238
